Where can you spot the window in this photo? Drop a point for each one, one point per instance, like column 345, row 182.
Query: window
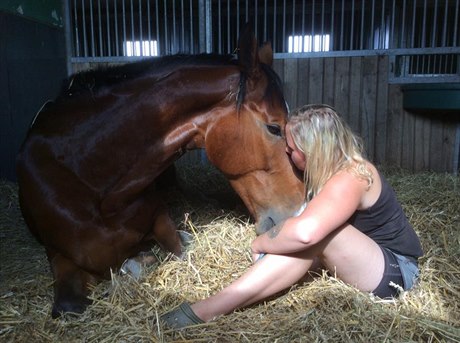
column 309, row 43
column 135, row 48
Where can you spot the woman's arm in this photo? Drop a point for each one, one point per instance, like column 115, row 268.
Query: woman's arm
column 330, row 209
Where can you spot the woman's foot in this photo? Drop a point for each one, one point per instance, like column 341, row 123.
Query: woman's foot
column 181, row 317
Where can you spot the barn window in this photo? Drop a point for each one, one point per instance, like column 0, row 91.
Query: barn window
column 309, row 43
column 138, row 48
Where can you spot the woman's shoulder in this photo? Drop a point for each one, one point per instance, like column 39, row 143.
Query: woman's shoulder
column 351, row 181
column 375, row 188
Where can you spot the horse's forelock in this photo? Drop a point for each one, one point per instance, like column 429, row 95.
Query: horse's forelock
column 274, row 86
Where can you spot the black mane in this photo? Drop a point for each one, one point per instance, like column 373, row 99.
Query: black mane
column 96, row 79
column 93, row 81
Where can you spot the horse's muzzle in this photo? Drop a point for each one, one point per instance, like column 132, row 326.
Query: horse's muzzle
column 272, row 218
column 264, row 225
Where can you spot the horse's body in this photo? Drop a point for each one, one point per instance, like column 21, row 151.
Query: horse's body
column 87, row 170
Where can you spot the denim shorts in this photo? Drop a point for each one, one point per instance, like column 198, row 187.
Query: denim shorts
column 399, row 271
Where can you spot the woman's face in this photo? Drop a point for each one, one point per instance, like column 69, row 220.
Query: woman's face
column 297, row 156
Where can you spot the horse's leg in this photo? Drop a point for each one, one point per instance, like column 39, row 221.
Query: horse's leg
column 71, row 285
column 165, row 231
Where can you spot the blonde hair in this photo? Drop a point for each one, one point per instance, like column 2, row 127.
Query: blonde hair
column 329, row 145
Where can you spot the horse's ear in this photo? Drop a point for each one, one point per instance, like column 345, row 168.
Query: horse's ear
column 247, row 50
column 266, row 54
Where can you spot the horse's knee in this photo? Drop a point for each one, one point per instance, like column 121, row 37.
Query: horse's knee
column 166, row 235
column 71, row 286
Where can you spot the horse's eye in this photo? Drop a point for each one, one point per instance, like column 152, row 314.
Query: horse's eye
column 274, row 129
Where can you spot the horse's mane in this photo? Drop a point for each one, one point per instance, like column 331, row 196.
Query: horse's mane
column 93, row 81
column 96, row 79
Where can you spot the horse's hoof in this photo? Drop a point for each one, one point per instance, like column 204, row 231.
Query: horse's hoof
column 132, row 267
column 66, row 307
column 185, row 237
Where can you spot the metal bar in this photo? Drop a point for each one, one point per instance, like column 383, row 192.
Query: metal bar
column 302, row 39
column 444, row 29
column 228, row 28
column 372, row 25
column 238, row 18
column 435, row 24
column 68, row 34
column 107, row 22
column 342, row 25
column 332, row 24
column 85, row 41
column 454, row 38
column 165, row 20
column 141, row 36
column 424, row 25
column 403, row 27
column 157, row 24
column 174, row 28
column 323, row 11
column 125, row 47
column 149, row 31
column 265, row 21
column 208, row 26
column 414, row 18
column 274, row 26
column 133, row 49
column 93, row 52
column 352, row 24
column 361, row 34
column 293, row 24
column 182, row 9
column 393, row 44
column 192, row 45
column 117, row 51
column 312, row 44
column 219, row 27
column 247, row 10
column 284, row 25
column 77, row 35
column 351, row 53
column 256, row 12
column 99, row 14
column 382, row 30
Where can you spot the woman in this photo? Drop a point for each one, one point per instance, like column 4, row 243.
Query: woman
column 352, row 225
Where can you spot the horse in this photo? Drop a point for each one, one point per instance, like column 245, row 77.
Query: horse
column 89, row 166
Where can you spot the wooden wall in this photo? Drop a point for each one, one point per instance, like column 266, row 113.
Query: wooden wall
column 358, row 88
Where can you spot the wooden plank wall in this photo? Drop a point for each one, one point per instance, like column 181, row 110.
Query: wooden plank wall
column 358, row 88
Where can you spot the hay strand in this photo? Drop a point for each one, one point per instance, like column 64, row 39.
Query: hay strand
column 128, row 310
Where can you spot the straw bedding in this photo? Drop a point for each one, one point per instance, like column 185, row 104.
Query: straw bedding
column 325, row 310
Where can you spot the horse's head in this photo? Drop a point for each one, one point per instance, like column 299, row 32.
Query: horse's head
column 247, row 143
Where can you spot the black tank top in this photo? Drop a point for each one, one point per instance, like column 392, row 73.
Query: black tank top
column 386, row 223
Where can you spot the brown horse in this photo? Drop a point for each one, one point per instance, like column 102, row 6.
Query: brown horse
column 87, row 170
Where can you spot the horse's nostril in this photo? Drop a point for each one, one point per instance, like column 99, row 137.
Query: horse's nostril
column 266, row 224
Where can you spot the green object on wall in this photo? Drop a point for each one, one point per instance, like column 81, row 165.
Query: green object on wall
column 432, row 96
column 45, row 11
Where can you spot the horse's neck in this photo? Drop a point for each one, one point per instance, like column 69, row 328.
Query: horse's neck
column 204, row 100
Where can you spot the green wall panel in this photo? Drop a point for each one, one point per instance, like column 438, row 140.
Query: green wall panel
column 45, row 11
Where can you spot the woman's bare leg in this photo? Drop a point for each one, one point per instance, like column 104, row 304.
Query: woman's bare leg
column 266, row 277
column 352, row 256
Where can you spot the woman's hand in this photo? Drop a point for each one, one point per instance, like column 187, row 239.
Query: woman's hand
column 257, row 257
column 256, row 253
